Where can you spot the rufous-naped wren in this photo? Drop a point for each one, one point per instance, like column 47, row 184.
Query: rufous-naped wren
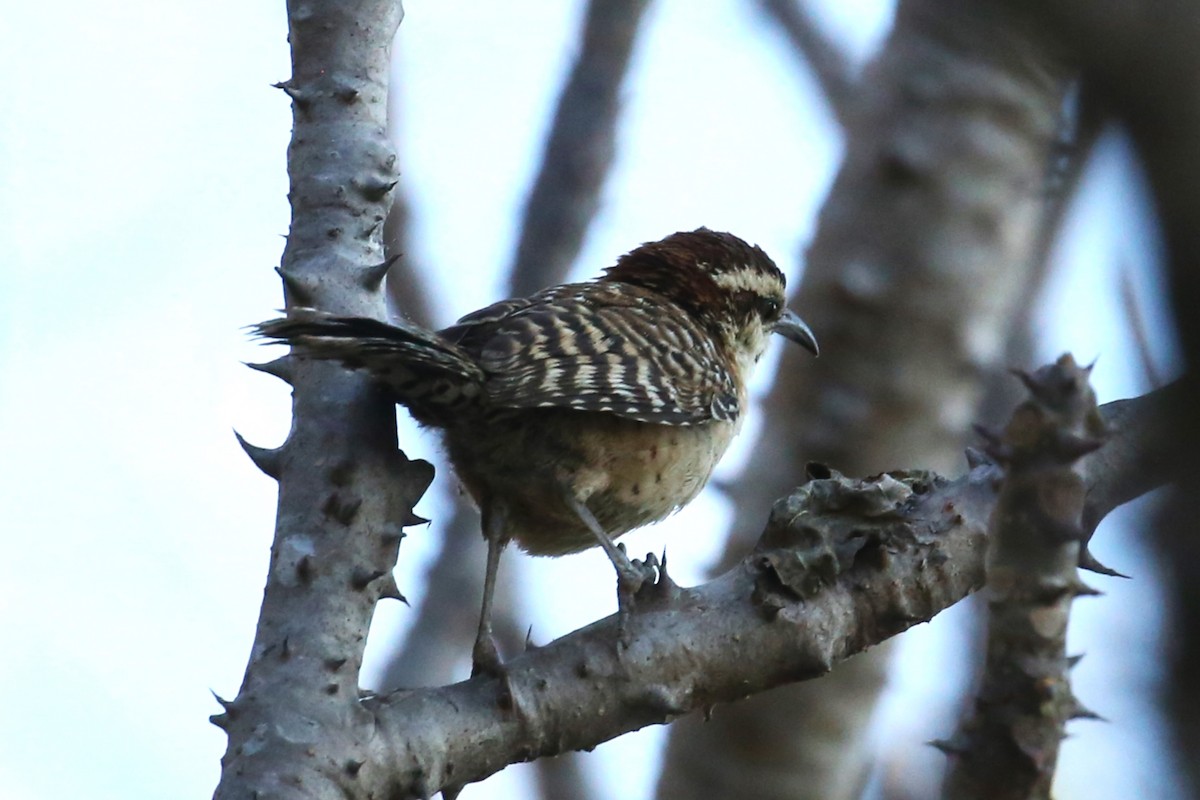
column 586, row 410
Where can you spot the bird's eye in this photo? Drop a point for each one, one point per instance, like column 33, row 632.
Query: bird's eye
column 768, row 307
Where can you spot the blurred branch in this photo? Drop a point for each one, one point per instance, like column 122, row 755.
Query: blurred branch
column 438, row 641
column 1144, row 60
column 914, row 280
column 1143, row 457
column 824, row 58
column 842, row 565
column 579, row 149
column 560, row 208
column 1008, row 747
column 1080, row 123
column 407, row 290
column 1138, row 329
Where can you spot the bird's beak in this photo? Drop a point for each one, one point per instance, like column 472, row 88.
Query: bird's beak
column 790, row 326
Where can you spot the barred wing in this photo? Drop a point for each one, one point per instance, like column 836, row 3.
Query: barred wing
column 594, row 347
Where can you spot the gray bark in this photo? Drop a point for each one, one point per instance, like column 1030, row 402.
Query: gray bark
column 345, row 491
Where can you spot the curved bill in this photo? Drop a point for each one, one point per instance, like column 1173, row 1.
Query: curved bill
column 790, row 326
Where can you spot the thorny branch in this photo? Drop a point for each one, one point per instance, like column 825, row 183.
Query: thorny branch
column 1008, row 747
column 843, row 565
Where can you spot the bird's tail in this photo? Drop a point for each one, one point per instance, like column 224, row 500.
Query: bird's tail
column 426, row 372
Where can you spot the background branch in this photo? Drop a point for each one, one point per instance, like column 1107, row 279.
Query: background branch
column 1008, row 747
column 914, row 284
column 579, row 149
column 821, row 54
column 561, row 205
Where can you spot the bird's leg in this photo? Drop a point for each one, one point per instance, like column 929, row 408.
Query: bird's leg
column 630, row 575
column 484, row 657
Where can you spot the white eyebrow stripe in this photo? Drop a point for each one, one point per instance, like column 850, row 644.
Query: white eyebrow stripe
column 747, row 279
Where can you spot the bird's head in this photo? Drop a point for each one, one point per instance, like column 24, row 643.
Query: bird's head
column 732, row 288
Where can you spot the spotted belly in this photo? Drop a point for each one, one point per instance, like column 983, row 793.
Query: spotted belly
column 628, row 473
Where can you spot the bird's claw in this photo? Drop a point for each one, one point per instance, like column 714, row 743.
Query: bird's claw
column 485, row 658
column 635, row 579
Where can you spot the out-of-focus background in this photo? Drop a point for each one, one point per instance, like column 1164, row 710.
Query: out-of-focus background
column 142, row 204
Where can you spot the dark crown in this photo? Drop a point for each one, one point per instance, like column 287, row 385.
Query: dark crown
column 706, row 272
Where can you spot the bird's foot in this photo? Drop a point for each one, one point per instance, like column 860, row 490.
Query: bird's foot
column 633, row 574
column 633, row 578
column 485, row 658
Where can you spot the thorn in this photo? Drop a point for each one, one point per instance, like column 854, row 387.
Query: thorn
column 347, row 94
column 374, row 189
column 1092, row 564
column 282, row 368
column 222, row 721
column 388, row 590
column 956, row 745
column 298, row 292
column 708, row 712
column 529, row 645
column 266, row 459
column 372, row 277
column 411, row 519
column 1081, row 589
column 665, row 587
column 302, row 100
column 353, row 766
column 334, row 664
column 1079, row 711
column 285, row 651
column 976, row 458
column 227, row 705
column 452, row 792
column 1073, row 661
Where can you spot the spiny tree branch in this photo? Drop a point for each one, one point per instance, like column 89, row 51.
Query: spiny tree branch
column 843, row 565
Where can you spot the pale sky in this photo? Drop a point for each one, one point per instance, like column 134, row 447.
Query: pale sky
column 142, row 203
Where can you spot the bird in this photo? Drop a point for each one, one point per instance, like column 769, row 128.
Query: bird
column 586, row 410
